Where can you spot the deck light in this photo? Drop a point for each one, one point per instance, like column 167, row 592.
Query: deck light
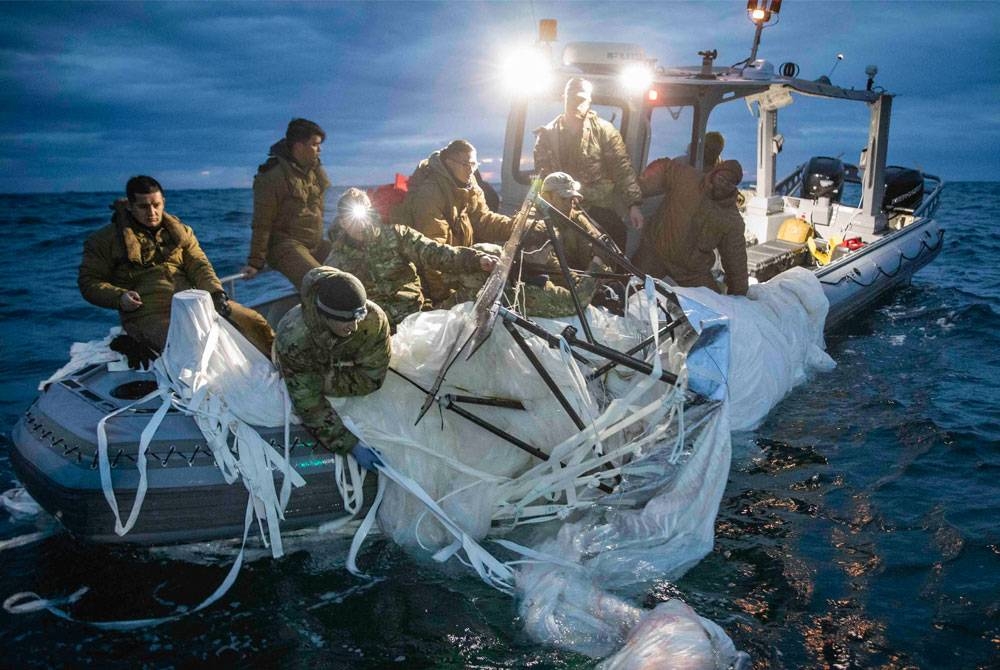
column 761, row 11
column 653, row 95
column 636, row 77
column 527, row 71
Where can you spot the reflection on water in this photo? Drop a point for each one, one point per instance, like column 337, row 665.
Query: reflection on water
column 858, row 528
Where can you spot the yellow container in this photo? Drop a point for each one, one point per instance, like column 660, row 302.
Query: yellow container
column 795, row 231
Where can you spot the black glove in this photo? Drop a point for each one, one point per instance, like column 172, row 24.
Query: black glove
column 139, row 354
column 221, row 301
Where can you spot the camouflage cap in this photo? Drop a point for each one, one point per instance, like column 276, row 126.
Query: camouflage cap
column 562, row 185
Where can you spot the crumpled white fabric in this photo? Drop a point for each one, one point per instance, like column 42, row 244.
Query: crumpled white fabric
column 776, row 335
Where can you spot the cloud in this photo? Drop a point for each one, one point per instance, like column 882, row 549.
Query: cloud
column 91, row 91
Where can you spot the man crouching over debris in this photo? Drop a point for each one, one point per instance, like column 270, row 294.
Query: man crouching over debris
column 335, row 343
column 140, row 260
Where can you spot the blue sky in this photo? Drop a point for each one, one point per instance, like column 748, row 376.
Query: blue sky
column 194, row 93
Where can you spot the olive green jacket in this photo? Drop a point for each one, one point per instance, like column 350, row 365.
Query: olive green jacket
column 681, row 239
column 287, row 203
column 316, row 363
column 599, row 162
column 125, row 256
column 387, row 265
column 448, row 212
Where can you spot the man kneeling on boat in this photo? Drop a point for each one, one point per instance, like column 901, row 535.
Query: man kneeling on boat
column 698, row 214
column 386, row 258
column 141, row 259
column 334, row 343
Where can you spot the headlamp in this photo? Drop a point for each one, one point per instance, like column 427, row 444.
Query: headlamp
column 346, row 315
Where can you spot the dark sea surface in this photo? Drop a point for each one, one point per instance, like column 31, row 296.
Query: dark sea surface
column 860, row 527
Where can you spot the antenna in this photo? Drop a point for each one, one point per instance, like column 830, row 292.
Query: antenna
column 840, row 57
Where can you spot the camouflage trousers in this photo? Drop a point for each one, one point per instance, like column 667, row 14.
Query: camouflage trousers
column 463, row 286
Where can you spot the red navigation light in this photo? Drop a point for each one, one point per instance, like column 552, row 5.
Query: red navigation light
column 653, row 95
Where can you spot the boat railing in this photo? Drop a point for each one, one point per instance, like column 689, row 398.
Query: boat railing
column 930, row 202
column 788, row 185
column 229, row 283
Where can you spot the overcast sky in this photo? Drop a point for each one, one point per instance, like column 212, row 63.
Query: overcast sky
column 195, row 93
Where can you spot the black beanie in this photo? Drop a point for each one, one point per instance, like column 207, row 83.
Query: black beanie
column 341, row 297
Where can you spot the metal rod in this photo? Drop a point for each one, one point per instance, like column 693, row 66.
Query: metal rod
column 642, row 345
column 543, row 373
column 569, row 334
column 560, row 249
column 506, row 403
column 485, row 425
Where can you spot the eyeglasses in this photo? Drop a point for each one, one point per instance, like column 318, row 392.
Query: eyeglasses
column 472, row 165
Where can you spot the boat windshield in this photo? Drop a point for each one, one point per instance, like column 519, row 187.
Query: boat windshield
column 670, row 132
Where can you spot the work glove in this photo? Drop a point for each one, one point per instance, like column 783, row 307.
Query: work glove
column 139, row 354
column 221, row 301
column 366, row 456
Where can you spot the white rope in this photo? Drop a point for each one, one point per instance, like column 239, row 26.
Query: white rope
column 28, row 601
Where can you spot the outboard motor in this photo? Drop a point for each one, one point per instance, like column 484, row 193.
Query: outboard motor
column 904, row 188
column 823, row 177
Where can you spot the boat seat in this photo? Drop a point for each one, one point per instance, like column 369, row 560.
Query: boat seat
column 767, row 259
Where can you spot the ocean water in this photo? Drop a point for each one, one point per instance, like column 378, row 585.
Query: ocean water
column 859, row 527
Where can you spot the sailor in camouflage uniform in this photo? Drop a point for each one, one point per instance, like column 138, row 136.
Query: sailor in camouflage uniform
column 387, row 258
column 545, row 293
column 334, row 343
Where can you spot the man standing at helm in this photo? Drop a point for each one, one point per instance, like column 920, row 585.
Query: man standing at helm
column 288, row 205
column 586, row 146
column 334, row 343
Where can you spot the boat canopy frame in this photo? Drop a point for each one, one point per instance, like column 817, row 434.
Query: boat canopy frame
column 703, row 92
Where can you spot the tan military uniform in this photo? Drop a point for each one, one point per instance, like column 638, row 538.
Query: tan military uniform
column 155, row 263
column 449, row 213
column 316, row 363
column 597, row 159
column 387, row 265
column 681, row 239
column 288, row 215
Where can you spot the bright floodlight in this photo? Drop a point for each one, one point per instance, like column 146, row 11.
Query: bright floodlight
column 526, row 72
column 760, row 11
column 636, row 77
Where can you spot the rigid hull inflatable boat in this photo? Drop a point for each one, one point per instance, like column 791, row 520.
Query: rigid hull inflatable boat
column 858, row 252
column 55, row 456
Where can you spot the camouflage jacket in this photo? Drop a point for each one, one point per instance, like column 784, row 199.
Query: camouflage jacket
column 579, row 249
column 287, row 202
column 551, row 301
column 449, row 213
column 316, row 363
column 599, row 162
column 126, row 256
column 681, row 239
column 387, row 265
